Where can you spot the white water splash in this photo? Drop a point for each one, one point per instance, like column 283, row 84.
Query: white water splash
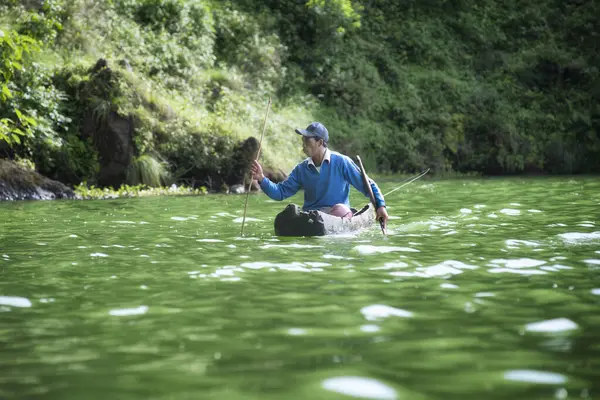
column 579, row 237
column 517, row 271
column 355, row 386
column 515, row 243
column 531, row 376
column 316, row 264
column 378, row 311
column 334, row 257
column 552, row 326
column 549, row 268
column 291, row 246
column 294, row 266
column 370, row 250
column 123, row 312
column 47, row 300
column 518, row 263
column 296, row 331
column 98, row 255
column 510, row 211
column 14, row 301
column 448, row 286
column 445, row 268
column 390, row 265
column 402, row 274
column 210, row 240
column 441, row 269
column 248, row 219
column 370, row 328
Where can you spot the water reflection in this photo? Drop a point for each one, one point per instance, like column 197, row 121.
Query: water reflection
column 378, row 311
column 365, row 388
column 124, row 312
column 369, row 250
column 541, row 377
column 552, row 326
column 14, row 301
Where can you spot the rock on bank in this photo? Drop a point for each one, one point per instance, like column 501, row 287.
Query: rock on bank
column 18, row 183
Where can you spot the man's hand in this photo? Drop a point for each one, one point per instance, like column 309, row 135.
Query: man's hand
column 257, row 171
column 382, row 215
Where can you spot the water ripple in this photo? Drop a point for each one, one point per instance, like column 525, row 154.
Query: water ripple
column 377, row 311
column 579, row 237
column 532, row 376
column 369, row 249
column 518, row 263
column 123, row 312
column 356, row 386
column 552, row 326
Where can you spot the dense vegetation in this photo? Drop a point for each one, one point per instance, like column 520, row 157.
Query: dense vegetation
column 455, row 85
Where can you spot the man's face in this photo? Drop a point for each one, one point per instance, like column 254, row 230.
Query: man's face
column 310, row 145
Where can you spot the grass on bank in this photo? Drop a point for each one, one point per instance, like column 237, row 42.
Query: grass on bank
column 85, row 192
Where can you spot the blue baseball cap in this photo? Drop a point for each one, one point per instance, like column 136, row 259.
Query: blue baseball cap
column 316, row 129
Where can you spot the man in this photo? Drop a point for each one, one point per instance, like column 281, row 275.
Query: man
column 325, row 176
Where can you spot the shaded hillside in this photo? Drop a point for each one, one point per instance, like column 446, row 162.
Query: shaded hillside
column 162, row 91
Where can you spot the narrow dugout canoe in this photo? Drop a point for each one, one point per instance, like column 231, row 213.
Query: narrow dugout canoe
column 292, row 221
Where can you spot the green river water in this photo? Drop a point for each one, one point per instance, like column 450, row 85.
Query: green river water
column 484, row 289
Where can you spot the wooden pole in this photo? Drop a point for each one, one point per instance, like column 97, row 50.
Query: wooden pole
column 371, row 195
column 257, row 156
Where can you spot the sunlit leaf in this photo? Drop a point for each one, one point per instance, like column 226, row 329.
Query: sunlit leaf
column 30, row 121
column 6, row 92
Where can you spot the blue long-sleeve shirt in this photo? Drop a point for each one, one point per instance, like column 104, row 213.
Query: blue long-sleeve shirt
column 325, row 189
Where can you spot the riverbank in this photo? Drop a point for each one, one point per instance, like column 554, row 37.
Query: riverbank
column 19, row 182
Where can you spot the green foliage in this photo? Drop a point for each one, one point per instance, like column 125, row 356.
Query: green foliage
column 196, row 154
column 465, row 87
column 92, row 192
column 45, row 20
column 338, row 13
column 458, row 86
column 148, row 171
column 169, row 40
column 15, row 50
column 25, row 163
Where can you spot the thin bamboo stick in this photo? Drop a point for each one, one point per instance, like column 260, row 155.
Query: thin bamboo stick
column 257, row 156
